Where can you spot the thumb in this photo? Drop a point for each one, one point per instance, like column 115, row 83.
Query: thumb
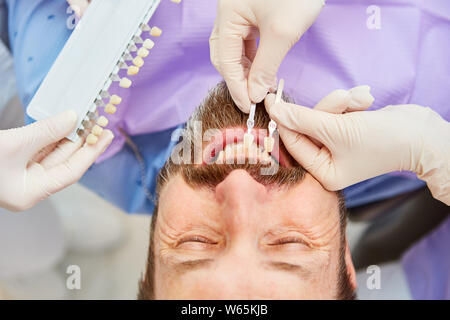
column 263, row 72
column 299, row 146
column 40, row 134
column 73, row 168
column 318, row 161
column 313, row 123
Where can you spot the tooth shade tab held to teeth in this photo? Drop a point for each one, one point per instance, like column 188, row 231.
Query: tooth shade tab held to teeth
column 268, row 144
column 248, row 136
column 116, row 33
column 269, row 141
column 280, row 88
column 248, row 140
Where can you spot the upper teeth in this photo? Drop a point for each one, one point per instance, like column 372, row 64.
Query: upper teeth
column 239, row 152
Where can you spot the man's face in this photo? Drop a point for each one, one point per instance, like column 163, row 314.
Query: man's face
column 247, row 238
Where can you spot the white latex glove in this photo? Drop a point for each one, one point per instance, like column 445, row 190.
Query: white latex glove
column 37, row 161
column 362, row 145
column 79, row 6
column 250, row 71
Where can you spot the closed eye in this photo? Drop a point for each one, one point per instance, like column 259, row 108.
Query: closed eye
column 195, row 242
column 289, row 240
column 197, row 239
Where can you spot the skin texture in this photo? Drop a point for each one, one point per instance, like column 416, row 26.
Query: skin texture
column 250, row 235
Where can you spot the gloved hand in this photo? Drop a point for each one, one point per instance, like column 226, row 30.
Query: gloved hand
column 364, row 144
column 248, row 70
column 36, row 161
column 79, row 6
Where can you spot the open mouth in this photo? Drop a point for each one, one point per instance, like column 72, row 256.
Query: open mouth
column 228, row 147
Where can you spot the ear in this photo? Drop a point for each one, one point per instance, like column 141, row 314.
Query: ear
column 350, row 267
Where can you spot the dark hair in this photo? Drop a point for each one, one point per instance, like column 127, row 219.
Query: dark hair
column 209, row 176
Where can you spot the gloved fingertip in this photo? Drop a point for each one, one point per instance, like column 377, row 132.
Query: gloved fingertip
column 363, row 87
column 269, row 101
column 257, row 93
column 106, row 138
column 241, row 101
column 245, row 109
column 66, row 120
column 109, row 136
column 274, row 87
column 341, row 95
column 243, row 106
column 361, row 96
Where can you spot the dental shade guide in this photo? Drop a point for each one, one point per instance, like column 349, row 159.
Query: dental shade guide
column 269, row 141
column 110, row 34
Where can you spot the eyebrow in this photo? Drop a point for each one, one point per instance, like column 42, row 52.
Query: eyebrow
column 296, row 269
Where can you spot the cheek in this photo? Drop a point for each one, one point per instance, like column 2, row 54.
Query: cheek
column 258, row 285
column 216, row 286
column 195, row 285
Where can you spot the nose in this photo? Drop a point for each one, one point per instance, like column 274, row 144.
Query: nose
column 241, row 196
column 242, row 201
